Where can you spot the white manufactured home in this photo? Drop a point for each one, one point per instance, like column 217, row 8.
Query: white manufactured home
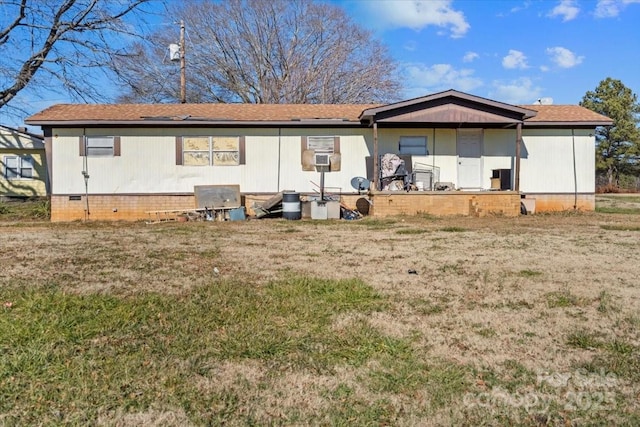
column 446, row 153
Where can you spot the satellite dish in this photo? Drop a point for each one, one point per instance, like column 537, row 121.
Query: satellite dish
column 360, row 183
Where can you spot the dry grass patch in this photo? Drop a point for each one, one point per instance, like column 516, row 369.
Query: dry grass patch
column 507, row 321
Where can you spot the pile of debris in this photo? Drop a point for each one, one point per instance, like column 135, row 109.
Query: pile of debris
column 269, row 208
column 272, row 208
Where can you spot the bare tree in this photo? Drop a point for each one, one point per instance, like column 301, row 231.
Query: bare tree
column 58, row 44
column 263, row 51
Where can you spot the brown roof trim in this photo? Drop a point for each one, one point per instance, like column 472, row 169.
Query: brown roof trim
column 524, row 113
column 196, row 113
column 23, row 132
column 431, row 110
column 203, row 123
column 574, row 125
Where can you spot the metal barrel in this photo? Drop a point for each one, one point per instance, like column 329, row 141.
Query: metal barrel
column 291, row 205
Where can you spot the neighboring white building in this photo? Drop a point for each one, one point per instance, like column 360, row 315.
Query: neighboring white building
column 129, row 159
column 23, row 171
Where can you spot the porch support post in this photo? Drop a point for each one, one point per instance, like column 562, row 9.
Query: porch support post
column 516, row 182
column 376, row 158
column 48, row 157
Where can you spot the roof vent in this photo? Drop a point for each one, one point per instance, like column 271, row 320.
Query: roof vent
column 544, row 101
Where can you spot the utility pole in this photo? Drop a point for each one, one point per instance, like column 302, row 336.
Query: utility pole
column 183, row 77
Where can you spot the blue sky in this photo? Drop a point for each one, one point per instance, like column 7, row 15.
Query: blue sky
column 511, row 51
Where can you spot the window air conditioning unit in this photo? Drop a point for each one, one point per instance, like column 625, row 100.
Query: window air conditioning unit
column 322, row 159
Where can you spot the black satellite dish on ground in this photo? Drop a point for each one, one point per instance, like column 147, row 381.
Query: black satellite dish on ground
column 360, row 183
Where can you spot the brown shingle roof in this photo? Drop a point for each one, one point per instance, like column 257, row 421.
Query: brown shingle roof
column 233, row 112
column 564, row 114
column 137, row 113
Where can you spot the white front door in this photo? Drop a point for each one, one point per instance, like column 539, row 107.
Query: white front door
column 469, row 158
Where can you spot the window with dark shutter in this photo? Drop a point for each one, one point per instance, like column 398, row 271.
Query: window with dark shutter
column 178, row 150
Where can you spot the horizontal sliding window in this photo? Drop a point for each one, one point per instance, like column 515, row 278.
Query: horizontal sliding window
column 413, row 145
column 321, row 144
column 100, row 146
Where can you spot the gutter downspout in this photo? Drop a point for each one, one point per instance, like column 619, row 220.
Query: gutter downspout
column 85, row 174
column 516, row 183
column 575, row 172
column 376, row 166
column 279, row 157
column 48, row 155
column 433, row 162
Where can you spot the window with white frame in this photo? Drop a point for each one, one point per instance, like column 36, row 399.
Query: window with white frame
column 18, row 167
column 100, row 146
column 413, row 145
column 211, row 150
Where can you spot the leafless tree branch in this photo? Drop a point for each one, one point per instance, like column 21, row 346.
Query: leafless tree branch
column 4, row 34
column 264, row 51
column 59, row 38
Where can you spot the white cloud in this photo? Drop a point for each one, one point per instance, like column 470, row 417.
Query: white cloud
column 524, row 6
column 438, row 77
column 611, row 8
column 470, row 57
column 563, row 57
column 606, row 9
column 544, row 68
column 418, row 14
column 520, row 91
column 515, row 9
column 411, row 45
column 515, row 59
column 567, row 9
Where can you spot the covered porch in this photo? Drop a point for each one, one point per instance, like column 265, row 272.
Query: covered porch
column 446, row 141
column 460, row 155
